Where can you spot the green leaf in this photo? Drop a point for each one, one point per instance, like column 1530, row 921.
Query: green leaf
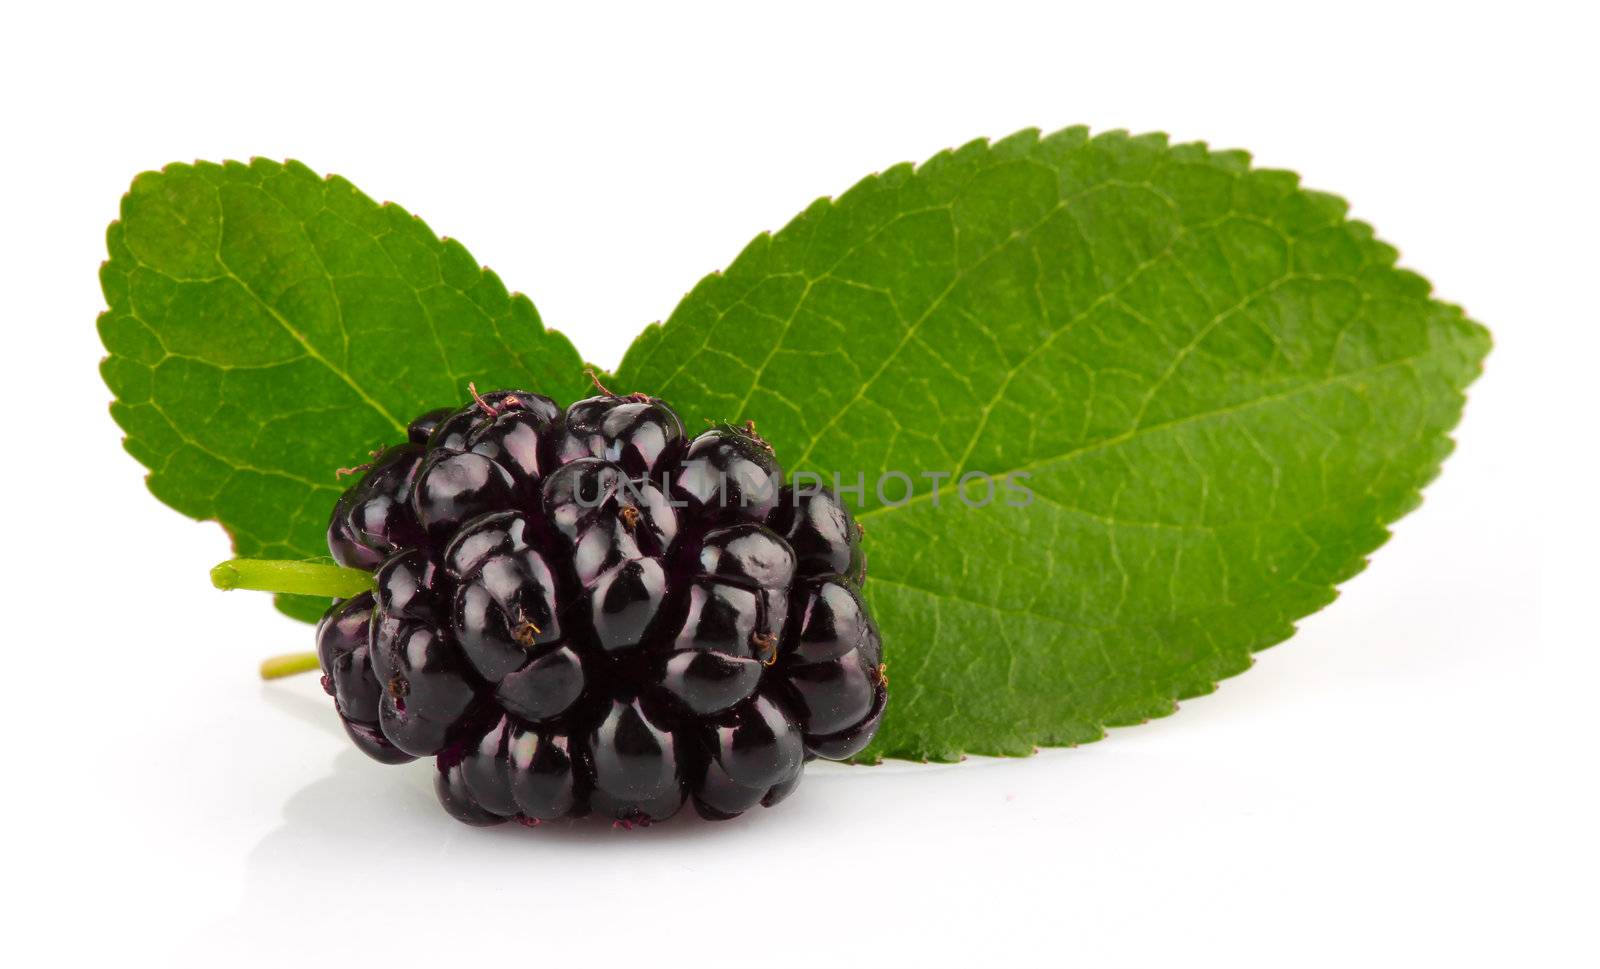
column 1221, row 392
column 268, row 327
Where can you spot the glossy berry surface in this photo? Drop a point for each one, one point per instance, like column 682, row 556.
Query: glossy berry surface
column 587, row 612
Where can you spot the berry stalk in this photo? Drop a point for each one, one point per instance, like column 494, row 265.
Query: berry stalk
column 293, row 578
column 289, row 664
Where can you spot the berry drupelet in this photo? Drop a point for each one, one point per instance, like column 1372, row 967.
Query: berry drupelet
column 588, row 612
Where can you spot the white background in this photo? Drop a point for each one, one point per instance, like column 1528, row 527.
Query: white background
column 1410, row 780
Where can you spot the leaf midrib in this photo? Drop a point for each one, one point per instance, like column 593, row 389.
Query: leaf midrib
column 1137, row 432
column 283, row 321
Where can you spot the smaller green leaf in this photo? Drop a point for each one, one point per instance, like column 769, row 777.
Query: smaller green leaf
column 268, row 326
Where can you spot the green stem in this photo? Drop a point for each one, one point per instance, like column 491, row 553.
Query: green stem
column 294, row 578
column 277, row 667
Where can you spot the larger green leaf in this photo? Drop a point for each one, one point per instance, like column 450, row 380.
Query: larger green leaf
column 1221, row 391
column 268, row 327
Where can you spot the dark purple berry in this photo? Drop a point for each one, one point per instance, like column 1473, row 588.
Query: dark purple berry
column 638, row 435
column 783, row 789
column 481, row 769
column 374, row 518
column 454, row 487
column 586, row 613
column 544, row 778
column 590, row 492
column 727, row 474
column 421, row 429
column 624, row 602
column 634, row 763
column 747, row 555
column 427, row 686
column 708, row 681
column 342, row 650
column 450, row 784
column 454, row 431
column 833, row 621
column 543, row 687
column 405, row 583
column 752, row 749
column 369, row 739
column 816, row 524
column 427, row 689
column 343, row 629
column 602, row 547
column 837, row 694
column 835, row 668
column 722, row 618
column 751, row 557
column 514, row 441
column 853, row 739
column 505, row 599
column 343, row 545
